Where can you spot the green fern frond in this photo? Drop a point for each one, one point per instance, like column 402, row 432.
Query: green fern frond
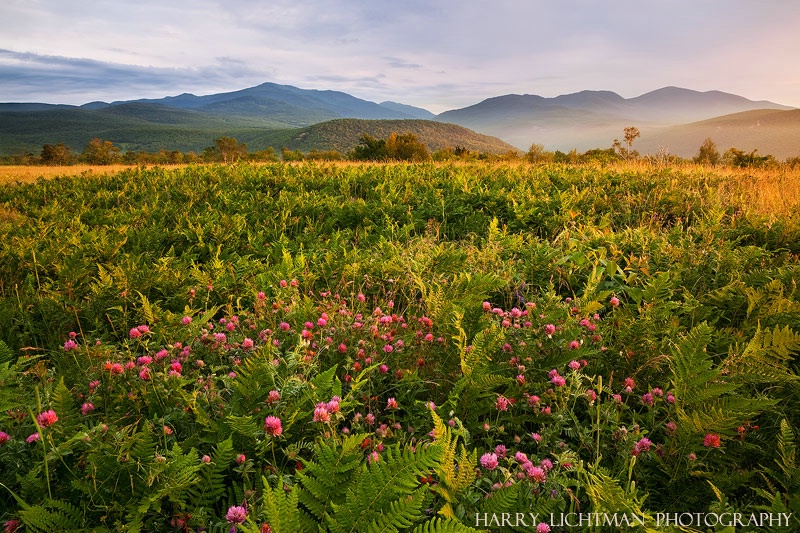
column 52, row 515
column 211, row 486
column 281, row 509
column 321, row 481
column 6, row 355
column 766, row 357
column 787, row 458
column 442, row 525
column 386, row 493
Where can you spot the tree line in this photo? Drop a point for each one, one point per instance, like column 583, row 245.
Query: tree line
column 396, row 147
column 707, row 154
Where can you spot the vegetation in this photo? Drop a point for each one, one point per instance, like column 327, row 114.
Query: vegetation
column 398, row 347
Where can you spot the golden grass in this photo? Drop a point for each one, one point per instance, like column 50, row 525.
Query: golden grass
column 13, row 174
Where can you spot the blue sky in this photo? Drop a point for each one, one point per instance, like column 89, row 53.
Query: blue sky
column 437, row 54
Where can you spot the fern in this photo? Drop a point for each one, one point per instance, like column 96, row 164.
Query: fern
column 6, row 355
column 322, row 481
column 211, row 485
column 766, row 357
column 607, row 496
column 442, row 525
column 52, row 515
column 386, row 494
column 281, row 510
column 693, row 374
column 456, row 470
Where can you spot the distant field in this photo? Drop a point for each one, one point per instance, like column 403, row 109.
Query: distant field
column 26, row 173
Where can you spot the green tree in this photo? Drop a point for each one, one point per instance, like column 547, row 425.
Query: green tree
column 370, row 149
column 100, row 152
column 708, row 153
column 230, row 150
column 537, row 154
column 627, row 151
column 406, row 147
column 741, row 159
column 59, row 154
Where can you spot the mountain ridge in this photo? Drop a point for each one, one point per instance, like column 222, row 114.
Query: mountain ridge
column 582, row 120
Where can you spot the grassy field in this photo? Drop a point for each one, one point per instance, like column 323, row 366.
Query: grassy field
column 409, row 347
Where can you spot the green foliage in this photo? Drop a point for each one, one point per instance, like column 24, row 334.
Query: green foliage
column 260, row 335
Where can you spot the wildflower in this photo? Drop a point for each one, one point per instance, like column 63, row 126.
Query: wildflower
column 321, row 414
column 501, row 404
column 206, row 459
column 574, row 365
column 333, row 405
column 247, row 343
column 647, row 398
column 614, row 301
column 542, row 528
column 489, row 461
column 236, row 514
column 167, row 430
column 10, row 526
column 47, row 418
column 670, row 398
column 134, row 333
column 373, row 458
column 670, row 428
column 711, row 440
column 658, row 392
column 590, row 395
column 574, row 345
column 549, row 329
column 115, row 368
column 186, row 320
column 144, row 375
column 642, row 446
column 391, row 403
column 4, row 437
column 273, row 396
column 617, row 398
column 500, row 450
column 70, row 345
column 144, row 360
column 536, row 473
column 369, row 419
column 536, row 437
column 87, row 408
column 272, row 425
column 558, row 381
column 629, row 384
column 241, row 458
column 32, row 438
column 284, row 326
column 546, row 465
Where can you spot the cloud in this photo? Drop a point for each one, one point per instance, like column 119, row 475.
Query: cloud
column 406, row 50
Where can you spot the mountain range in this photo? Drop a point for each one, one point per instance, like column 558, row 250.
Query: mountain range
column 671, row 118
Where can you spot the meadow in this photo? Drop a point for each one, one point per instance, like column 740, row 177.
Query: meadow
column 399, row 347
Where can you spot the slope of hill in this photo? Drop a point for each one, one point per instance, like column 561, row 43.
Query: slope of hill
column 769, row 131
column 344, row 135
column 591, row 119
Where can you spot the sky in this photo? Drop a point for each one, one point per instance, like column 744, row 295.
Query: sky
column 435, row 54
